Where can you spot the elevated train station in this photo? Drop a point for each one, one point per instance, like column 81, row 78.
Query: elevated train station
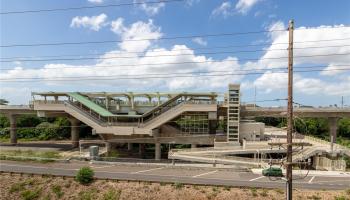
column 162, row 118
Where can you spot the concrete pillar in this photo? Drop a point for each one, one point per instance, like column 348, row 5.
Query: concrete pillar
column 13, row 129
column 132, row 103
column 333, row 130
column 141, row 149
column 75, row 132
column 107, row 102
column 193, row 146
column 129, row 146
column 158, row 152
column 158, row 97
column 108, row 147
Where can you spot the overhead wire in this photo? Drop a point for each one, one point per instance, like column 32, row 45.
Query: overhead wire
column 88, row 7
column 115, row 78
column 188, row 62
column 185, row 49
column 160, row 38
column 161, row 55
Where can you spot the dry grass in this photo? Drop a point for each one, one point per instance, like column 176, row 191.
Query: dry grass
column 13, row 187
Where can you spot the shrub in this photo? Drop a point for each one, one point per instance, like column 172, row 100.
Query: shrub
column 57, row 190
column 340, row 198
column 112, row 194
column 87, row 195
column 16, row 187
column 264, row 193
column 85, row 175
column 178, row 185
column 31, row 195
column 253, row 191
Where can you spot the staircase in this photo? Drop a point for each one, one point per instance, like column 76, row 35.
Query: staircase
column 105, row 122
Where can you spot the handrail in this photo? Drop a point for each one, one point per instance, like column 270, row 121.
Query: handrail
column 84, row 112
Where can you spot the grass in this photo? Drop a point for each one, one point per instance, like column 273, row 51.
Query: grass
column 87, row 195
column 178, row 185
column 264, row 193
column 31, row 194
column 340, row 198
column 112, row 194
column 254, row 192
column 17, row 187
column 57, row 189
column 279, row 191
column 29, row 155
column 314, row 197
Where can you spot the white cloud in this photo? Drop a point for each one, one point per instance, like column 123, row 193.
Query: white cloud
column 270, row 82
column 243, row 6
column 137, row 64
column 94, row 22
column 304, row 51
column 137, row 31
column 200, row 41
column 95, row 1
column 150, row 9
column 225, row 9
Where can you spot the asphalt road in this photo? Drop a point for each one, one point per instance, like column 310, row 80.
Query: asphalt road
column 187, row 175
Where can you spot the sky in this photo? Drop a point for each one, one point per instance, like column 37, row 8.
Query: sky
column 148, row 40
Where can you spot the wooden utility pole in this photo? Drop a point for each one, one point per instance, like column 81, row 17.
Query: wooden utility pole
column 289, row 165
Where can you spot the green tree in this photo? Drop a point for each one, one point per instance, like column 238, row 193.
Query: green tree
column 3, row 102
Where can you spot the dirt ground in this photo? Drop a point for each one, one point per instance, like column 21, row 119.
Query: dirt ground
column 38, row 187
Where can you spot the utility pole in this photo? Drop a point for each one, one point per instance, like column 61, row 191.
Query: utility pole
column 254, row 96
column 289, row 176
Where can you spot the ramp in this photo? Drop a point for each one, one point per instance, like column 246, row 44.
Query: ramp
column 90, row 104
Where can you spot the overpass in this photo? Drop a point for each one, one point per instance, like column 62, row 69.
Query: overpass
column 322, row 112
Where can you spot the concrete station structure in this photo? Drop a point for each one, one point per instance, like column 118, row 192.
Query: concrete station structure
column 162, row 118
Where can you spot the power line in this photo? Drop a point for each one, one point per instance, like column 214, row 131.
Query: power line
column 167, row 55
column 188, row 62
column 87, row 7
column 200, row 72
column 199, row 48
column 142, row 39
column 161, row 38
column 157, row 77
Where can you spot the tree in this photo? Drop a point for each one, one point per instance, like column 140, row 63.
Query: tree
column 3, row 102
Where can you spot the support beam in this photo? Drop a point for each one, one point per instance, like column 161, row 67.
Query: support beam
column 129, row 146
column 158, row 153
column 13, row 129
column 75, row 132
column 141, row 150
column 108, row 147
column 333, row 130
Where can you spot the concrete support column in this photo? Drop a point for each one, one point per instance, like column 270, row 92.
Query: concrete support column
column 75, row 132
column 108, row 147
column 141, row 149
column 129, row 146
column 13, row 129
column 333, row 130
column 193, row 146
column 158, row 152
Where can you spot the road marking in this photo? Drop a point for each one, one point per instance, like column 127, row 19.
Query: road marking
column 310, row 181
column 99, row 167
column 148, row 170
column 207, row 173
column 254, row 179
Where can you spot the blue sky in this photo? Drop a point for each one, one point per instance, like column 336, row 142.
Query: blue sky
column 315, row 20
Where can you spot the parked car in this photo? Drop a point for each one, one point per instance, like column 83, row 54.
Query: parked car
column 272, row 171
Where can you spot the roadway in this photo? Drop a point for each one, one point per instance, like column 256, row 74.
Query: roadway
column 171, row 174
